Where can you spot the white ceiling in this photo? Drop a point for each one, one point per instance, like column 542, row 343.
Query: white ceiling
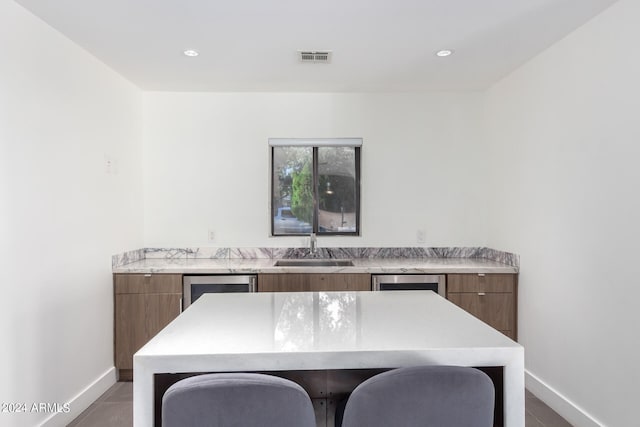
column 378, row 45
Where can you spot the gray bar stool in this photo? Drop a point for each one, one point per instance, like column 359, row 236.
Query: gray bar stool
column 431, row 396
column 236, row 399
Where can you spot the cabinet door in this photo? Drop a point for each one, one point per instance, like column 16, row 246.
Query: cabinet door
column 144, row 304
column 312, row 282
column 139, row 317
column 492, row 298
column 495, row 309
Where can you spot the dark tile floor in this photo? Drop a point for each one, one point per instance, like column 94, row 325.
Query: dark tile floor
column 537, row 414
column 115, row 409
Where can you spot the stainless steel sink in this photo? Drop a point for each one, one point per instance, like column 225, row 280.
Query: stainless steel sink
column 313, row 263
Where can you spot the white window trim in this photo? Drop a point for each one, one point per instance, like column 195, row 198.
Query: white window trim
column 315, row 142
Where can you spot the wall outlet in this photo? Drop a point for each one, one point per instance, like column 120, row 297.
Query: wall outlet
column 421, row 236
column 211, row 236
column 110, row 165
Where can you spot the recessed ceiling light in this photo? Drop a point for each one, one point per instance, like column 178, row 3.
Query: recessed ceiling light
column 444, row 52
column 191, row 52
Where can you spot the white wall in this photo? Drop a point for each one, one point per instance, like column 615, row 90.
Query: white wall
column 207, row 165
column 62, row 216
column 565, row 136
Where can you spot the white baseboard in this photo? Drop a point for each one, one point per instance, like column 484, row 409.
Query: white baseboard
column 83, row 400
column 571, row 412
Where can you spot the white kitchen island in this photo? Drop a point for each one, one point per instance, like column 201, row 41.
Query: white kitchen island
column 311, row 331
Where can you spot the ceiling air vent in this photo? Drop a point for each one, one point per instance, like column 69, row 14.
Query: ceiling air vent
column 315, row 56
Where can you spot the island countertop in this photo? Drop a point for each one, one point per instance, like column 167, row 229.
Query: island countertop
column 325, row 330
column 360, row 265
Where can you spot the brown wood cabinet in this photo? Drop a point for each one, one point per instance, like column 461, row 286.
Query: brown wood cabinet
column 492, row 298
column 144, row 304
column 313, row 282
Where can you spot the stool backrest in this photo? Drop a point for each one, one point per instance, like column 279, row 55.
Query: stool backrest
column 236, row 399
column 435, row 396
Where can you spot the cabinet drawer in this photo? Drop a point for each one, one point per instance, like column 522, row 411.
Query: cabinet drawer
column 147, row 283
column 503, row 283
column 495, row 309
column 341, row 282
column 311, row 282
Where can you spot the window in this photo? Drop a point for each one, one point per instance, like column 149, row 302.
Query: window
column 315, row 186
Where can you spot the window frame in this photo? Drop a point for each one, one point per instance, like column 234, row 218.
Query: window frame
column 315, row 144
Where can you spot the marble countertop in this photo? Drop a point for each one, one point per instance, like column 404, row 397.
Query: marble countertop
column 360, row 265
column 325, row 330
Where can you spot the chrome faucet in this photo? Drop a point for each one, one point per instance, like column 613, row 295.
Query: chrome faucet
column 313, row 243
